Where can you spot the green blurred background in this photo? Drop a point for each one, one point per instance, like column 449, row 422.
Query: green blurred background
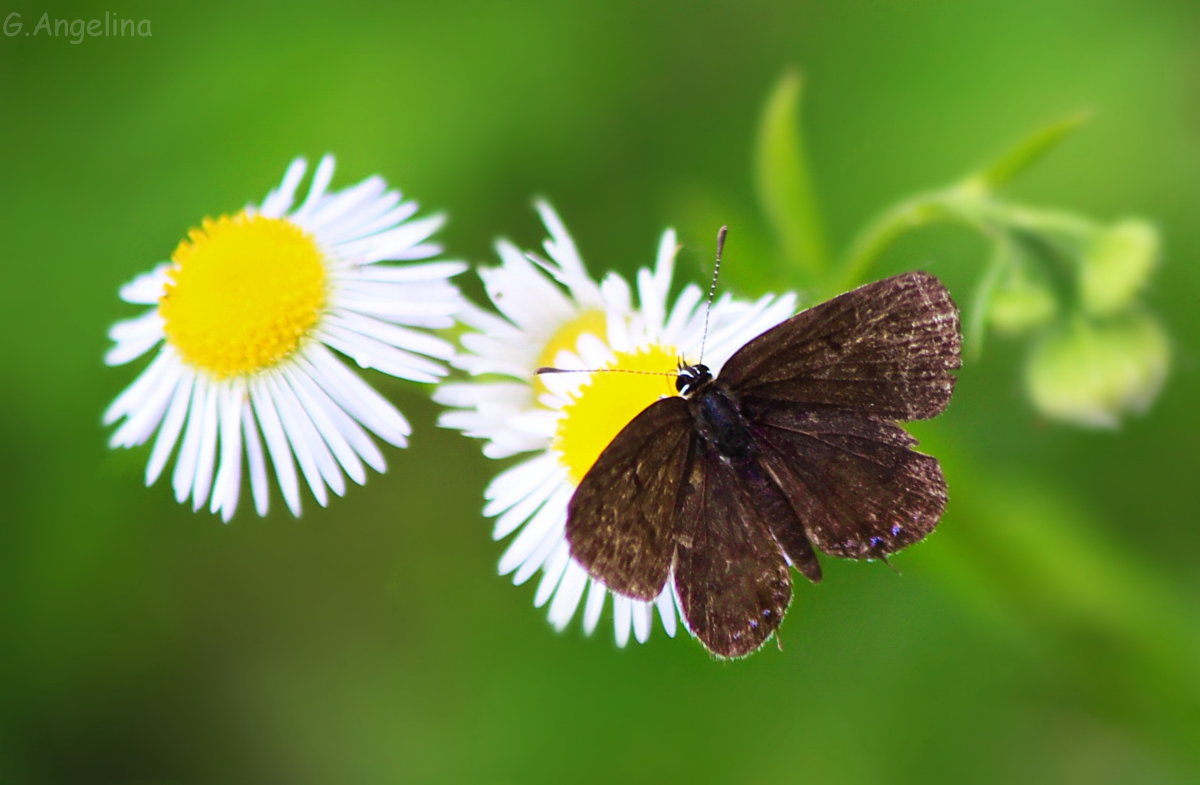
column 1048, row 632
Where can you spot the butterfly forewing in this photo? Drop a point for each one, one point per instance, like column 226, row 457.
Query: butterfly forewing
column 731, row 577
column 886, row 348
column 621, row 521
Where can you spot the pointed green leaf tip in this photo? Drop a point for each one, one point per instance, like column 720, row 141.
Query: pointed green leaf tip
column 1027, row 152
column 784, row 181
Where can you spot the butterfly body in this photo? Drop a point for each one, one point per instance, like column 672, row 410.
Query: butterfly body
column 792, row 448
column 718, row 419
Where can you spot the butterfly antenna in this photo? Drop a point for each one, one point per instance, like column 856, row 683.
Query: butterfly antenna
column 548, row 369
column 712, row 287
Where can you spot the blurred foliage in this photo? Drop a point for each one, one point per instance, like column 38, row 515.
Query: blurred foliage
column 1047, row 632
column 1079, row 372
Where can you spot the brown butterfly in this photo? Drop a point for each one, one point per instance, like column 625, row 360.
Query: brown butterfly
column 794, row 446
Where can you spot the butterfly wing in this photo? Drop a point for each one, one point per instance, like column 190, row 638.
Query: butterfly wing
column 733, row 582
column 886, row 348
column 852, row 479
column 622, row 519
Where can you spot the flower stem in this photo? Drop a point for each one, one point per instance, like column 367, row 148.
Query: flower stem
column 885, row 229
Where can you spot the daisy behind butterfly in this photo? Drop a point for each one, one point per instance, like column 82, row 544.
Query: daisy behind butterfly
column 550, row 311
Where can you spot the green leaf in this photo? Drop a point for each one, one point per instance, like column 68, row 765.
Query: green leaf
column 783, row 179
column 1026, row 153
column 976, row 320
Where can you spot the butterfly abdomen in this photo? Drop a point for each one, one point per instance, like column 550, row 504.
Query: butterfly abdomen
column 719, row 421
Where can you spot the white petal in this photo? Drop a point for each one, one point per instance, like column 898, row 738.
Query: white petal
column 683, row 310
column 618, row 299
column 524, row 295
column 388, row 245
column 321, row 417
column 332, row 211
column 281, row 454
column 508, row 445
column 566, row 599
column 493, row 354
column 546, row 522
column 208, row 447
column 134, row 337
column 346, row 426
column 406, row 306
column 678, row 603
column 418, row 252
column 396, row 301
column 595, row 605
column 393, row 335
column 189, row 452
column 625, row 332
column 172, row 424
column 594, row 352
column 315, row 460
column 666, row 610
column 257, row 463
column 562, row 250
column 641, row 620
column 664, row 268
column 516, row 483
column 384, row 213
column 143, row 386
column 407, row 273
column 356, row 396
column 537, row 559
column 556, row 565
column 622, row 618
column 504, row 395
column 279, row 201
column 320, row 182
column 229, row 471
column 523, row 510
column 370, row 353
column 147, row 288
column 148, row 416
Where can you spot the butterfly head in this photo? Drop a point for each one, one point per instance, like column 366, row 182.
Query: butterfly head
column 692, row 378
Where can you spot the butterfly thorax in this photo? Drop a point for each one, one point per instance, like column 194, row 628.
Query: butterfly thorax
column 716, row 410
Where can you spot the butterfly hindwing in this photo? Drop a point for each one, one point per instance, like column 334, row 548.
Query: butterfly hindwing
column 733, row 583
column 886, row 348
column 853, row 479
column 621, row 521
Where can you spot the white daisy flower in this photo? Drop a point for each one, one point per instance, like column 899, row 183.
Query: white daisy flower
column 247, row 316
column 553, row 314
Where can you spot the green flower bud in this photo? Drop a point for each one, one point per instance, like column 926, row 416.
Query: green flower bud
column 1116, row 264
column 1091, row 373
column 1020, row 304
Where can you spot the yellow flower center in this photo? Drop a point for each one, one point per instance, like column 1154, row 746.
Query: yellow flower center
column 607, row 402
column 567, row 339
column 243, row 292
